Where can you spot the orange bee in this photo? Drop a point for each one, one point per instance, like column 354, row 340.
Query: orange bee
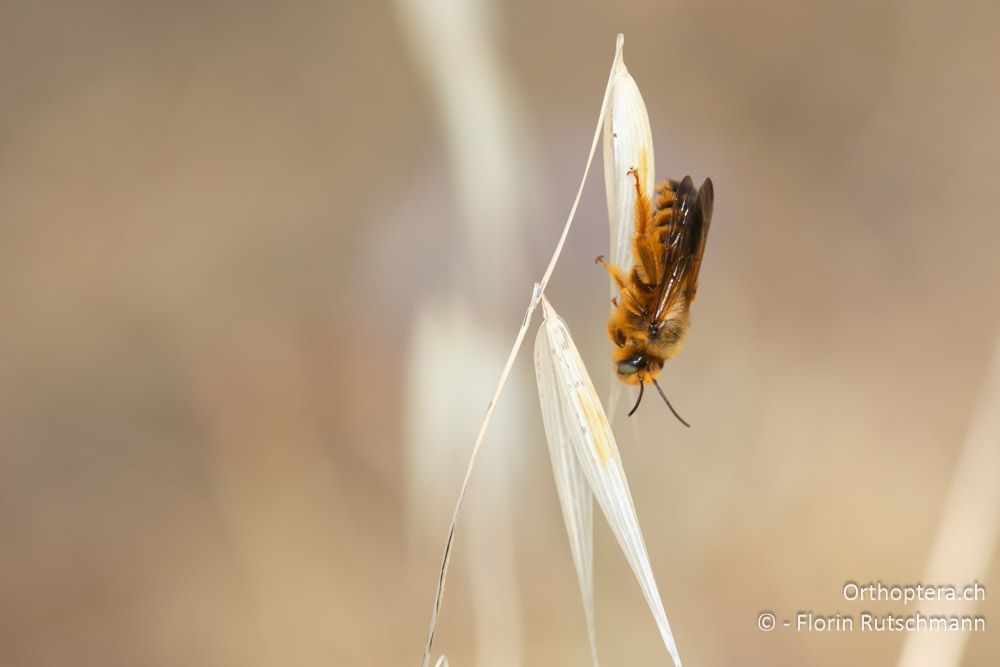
column 652, row 312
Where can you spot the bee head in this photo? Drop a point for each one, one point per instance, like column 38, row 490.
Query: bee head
column 637, row 368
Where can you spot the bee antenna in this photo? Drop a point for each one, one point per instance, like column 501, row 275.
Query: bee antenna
column 665, row 400
column 639, row 400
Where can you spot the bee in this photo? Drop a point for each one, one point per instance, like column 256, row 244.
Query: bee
column 652, row 311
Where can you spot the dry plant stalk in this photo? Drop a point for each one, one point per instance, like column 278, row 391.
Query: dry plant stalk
column 584, row 455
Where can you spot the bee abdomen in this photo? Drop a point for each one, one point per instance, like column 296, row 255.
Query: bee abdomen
column 667, row 333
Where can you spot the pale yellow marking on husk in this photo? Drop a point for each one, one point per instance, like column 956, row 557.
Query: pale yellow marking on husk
column 643, row 168
column 597, row 423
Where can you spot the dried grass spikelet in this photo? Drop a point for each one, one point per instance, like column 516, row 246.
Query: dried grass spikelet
column 586, row 464
column 627, row 144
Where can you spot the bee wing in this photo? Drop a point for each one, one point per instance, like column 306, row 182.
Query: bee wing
column 704, row 203
column 684, row 244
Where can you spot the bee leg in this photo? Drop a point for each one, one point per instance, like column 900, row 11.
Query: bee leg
column 616, row 273
column 634, row 173
column 644, row 244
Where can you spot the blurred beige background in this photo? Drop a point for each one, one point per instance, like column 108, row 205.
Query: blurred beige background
column 221, row 220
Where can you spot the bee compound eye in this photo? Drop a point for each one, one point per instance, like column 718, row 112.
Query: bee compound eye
column 626, row 368
column 633, row 365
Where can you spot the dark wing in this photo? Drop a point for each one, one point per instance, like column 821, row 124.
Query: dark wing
column 705, row 203
column 684, row 244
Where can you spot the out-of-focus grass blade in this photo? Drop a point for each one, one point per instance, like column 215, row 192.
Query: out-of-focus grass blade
column 573, row 412
column 439, row 413
column 968, row 530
